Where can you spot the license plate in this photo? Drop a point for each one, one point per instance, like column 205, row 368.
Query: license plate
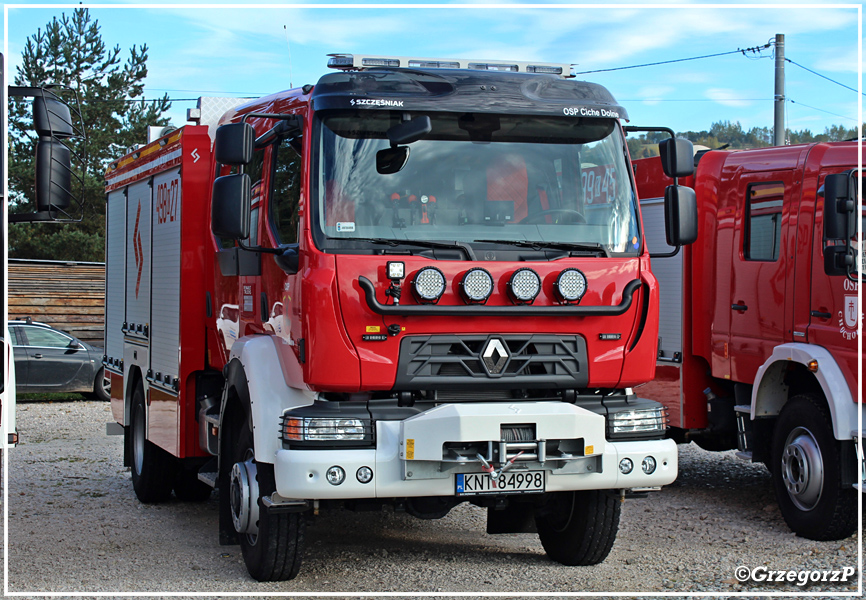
column 520, row 482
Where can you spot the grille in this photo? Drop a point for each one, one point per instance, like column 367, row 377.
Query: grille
column 506, row 361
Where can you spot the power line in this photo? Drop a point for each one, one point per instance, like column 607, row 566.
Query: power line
column 823, row 76
column 821, row 110
column 666, row 62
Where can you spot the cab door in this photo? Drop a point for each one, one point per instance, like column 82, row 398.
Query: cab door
column 760, row 262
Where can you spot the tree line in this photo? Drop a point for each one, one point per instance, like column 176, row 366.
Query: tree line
column 725, row 134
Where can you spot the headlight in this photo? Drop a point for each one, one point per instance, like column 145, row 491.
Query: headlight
column 315, row 429
column 640, row 422
column 524, row 285
column 429, row 284
column 570, row 285
column 477, row 285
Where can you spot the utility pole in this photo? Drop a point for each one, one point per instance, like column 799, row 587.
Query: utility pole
column 779, row 106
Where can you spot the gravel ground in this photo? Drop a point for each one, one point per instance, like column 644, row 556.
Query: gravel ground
column 76, row 526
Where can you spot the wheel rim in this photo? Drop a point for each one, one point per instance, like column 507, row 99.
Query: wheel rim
column 802, row 468
column 244, row 496
column 138, row 439
column 106, row 386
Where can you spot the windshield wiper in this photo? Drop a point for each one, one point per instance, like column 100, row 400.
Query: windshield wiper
column 587, row 246
column 463, row 246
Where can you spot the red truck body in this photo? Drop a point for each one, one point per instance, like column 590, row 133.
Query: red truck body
column 298, row 325
column 747, row 308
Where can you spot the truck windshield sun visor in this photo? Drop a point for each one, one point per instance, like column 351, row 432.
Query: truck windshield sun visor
column 536, row 181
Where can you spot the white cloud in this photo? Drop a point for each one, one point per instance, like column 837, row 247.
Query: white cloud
column 727, row 97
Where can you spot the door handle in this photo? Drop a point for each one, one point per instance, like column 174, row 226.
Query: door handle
column 739, row 307
column 37, row 356
column 821, row 315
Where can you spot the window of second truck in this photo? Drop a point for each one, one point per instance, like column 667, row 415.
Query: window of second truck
column 763, row 231
column 475, row 177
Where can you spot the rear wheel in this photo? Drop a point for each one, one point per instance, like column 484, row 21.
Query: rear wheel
column 578, row 528
column 807, row 474
column 153, row 469
column 272, row 543
column 101, row 386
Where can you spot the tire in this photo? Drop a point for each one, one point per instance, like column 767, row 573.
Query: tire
column 153, row 469
column 807, row 474
column 101, row 387
column 578, row 528
column 275, row 552
column 188, row 487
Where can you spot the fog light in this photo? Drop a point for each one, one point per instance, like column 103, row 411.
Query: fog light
column 524, row 285
column 570, row 285
column 477, row 285
column 396, row 270
column 625, row 466
column 364, row 474
column 335, row 475
column 648, row 465
column 429, row 284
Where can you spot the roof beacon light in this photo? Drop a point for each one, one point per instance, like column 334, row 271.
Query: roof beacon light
column 353, row 62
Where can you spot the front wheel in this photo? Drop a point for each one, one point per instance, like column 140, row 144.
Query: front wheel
column 272, row 543
column 807, row 474
column 578, row 528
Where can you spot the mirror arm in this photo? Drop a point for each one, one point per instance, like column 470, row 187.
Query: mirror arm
column 670, row 254
column 261, row 249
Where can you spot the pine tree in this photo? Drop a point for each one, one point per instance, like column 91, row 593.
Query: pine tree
column 70, row 52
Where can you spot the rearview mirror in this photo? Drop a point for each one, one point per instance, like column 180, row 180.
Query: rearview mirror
column 681, row 215
column 230, row 208
column 233, row 143
column 838, row 208
column 678, row 157
column 391, row 160
column 53, row 175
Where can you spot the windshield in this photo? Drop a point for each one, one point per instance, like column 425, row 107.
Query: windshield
column 474, row 178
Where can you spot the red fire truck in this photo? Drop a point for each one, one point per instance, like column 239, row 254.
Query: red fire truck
column 758, row 337
column 414, row 284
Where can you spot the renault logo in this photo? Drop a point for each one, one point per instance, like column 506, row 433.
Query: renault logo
column 494, row 356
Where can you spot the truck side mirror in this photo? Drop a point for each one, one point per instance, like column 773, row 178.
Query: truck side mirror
column 681, row 215
column 51, row 118
column 230, row 208
column 838, row 208
column 233, row 144
column 678, row 157
column 837, row 260
column 53, row 175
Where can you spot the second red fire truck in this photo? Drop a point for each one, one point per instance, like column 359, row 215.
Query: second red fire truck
column 414, row 284
column 758, row 337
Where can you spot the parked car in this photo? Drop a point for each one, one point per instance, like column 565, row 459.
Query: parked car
column 48, row 360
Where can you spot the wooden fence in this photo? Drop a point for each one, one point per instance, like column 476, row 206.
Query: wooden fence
column 66, row 295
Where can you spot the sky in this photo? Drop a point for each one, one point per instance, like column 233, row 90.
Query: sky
column 232, row 50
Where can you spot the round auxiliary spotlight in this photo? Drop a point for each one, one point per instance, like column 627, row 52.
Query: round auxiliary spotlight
column 429, row 284
column 570, row 285
column 477, row 285
column 524, row 285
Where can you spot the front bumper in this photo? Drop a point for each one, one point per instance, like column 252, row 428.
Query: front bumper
column 409, row 459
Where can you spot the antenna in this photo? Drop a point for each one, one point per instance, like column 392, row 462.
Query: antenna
column 289, row 46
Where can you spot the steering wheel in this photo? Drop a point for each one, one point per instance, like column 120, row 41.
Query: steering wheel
column 576, row 217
